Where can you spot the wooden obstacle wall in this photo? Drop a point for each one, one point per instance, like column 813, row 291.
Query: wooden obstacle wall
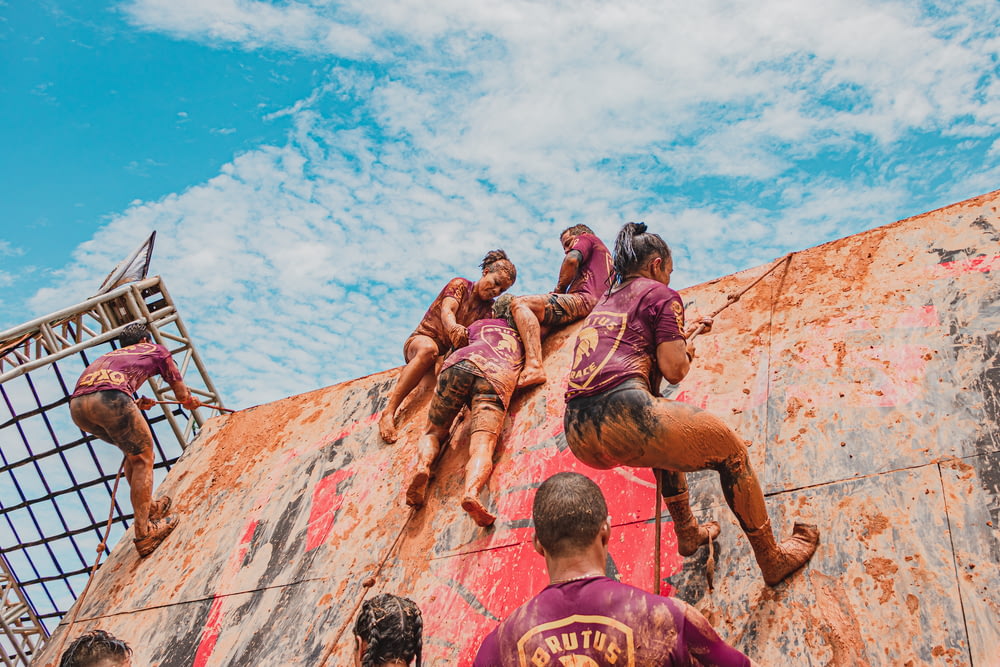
column 865, row 376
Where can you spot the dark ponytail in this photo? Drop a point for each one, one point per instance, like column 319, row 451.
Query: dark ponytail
column 496, row 260
column 633, row 248
column 393, row 628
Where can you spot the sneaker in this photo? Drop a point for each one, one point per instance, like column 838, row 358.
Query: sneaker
column 158, row 531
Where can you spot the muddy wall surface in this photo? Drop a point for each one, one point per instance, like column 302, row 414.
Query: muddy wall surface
column 864, row 374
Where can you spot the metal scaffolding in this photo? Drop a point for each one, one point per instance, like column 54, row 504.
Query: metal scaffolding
column 55, row 483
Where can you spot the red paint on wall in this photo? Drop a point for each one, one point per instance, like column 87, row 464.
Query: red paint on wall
column 325, row 503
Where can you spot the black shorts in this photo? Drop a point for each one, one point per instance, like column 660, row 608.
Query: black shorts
column 461, row 385
column 565, row 308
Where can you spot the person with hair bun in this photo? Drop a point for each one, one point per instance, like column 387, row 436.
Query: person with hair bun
column 388, row 632
column 445, row 326
column 583, row 277
column 615, row 416
column 481, row 375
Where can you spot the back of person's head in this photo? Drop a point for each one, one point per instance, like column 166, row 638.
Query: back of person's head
column 133, row 333
column 634, row 247
column 497, row 260
column 502, row 306
column 392, row 627
column 576, row 230
column 96, row 648
column 568, row 513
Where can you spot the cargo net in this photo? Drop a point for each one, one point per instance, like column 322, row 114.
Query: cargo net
column 55, row 487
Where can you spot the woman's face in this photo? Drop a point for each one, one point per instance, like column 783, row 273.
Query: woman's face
column 492, row 285
column 661, row 269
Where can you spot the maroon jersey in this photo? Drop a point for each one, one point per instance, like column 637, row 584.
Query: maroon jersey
column 595, row 268
column 619, row 338
column 599, row 622
column 496, row 350
column 126, row 369
column 470, row 309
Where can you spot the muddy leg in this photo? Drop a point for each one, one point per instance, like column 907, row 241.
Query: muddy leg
column 690, row 535
column 424, row 352
column 528, row 312
column 477, row 474
column 427, row 450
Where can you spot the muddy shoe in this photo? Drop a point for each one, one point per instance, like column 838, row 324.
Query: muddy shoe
column 159, row 508
column 158, row 531
column 690, row 535
column 478, row 513
column 418, row 488
column 778, row 561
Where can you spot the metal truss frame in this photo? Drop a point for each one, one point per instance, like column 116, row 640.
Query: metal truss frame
column 55, row 484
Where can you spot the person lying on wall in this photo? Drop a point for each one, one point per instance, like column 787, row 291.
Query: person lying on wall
column 483, row 376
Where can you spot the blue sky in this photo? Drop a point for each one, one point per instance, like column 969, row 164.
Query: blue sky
column 316, row 171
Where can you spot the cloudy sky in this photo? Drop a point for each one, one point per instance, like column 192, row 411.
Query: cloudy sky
column 317, row 170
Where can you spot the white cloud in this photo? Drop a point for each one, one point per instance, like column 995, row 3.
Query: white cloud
column 740, row 131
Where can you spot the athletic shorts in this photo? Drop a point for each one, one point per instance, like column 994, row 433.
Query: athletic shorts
column 461, row 385
column 565, row 308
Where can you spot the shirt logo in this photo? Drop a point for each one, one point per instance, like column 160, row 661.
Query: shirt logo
column 586, row 364
column 577, row 641
column 678, row 309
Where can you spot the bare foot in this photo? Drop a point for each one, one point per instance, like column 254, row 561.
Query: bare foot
column 530, row 377
column 418, row 488
column 689, row 542
column 478, row 512
column 387, row 427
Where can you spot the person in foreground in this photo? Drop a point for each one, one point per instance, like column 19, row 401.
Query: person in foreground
column 388, row 632
column 102, row 404
column 582, row 617
column 96, row 648
column 583, row 277
column 483, row 375
column 615, row 416
column 445, row 326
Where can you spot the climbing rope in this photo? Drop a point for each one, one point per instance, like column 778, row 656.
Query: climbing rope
column 734, row 297
column 200, row 405
column 366, row 586
column 93, row 570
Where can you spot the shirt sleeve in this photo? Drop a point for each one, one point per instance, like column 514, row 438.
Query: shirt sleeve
column 704, row 644
column 667, row 311
column 168, row 369
column 456, row 288
column 489, row 652
column 584, row 245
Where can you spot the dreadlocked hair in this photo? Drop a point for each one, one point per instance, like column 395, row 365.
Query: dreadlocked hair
column 94, row 648
column 633, row 248
column 497, row 260
column 393, row 628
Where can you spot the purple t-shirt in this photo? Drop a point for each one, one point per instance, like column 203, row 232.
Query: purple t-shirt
column 126, row 369
column 599, row 622
column 592, row 278
column 496, row 350
column 619, row 338
column 470, row 308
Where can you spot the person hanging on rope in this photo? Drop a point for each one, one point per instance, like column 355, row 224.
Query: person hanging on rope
column 445, row 326
column 102, row 404
column 96, row 648
column 483, row 375
column 585, row 618
column 615, row 416
column 583, row 277
column 388, row 632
